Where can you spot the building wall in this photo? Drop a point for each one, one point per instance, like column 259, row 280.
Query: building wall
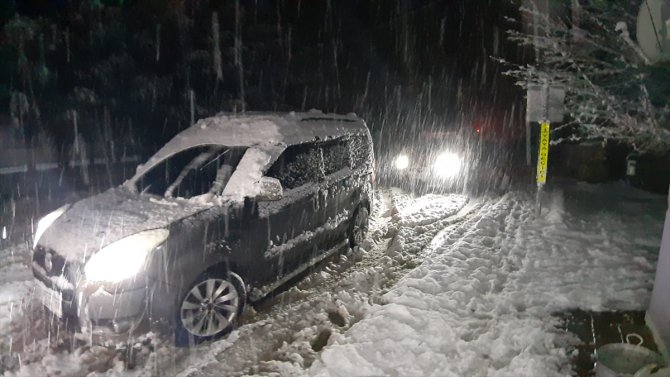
column 658, row 314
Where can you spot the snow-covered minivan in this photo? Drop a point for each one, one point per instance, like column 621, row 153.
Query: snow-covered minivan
column 227, row 211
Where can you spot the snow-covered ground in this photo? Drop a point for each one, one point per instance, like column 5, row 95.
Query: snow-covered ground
column 446, row 285
column 481, row 303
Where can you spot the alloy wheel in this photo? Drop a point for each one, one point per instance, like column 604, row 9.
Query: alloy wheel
column 210, row 307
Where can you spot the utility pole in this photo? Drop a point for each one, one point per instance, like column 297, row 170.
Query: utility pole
column 536, row 57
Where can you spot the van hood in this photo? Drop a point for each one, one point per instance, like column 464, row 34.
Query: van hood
column 95, row 222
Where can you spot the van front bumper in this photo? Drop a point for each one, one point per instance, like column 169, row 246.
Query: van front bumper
column 97, row 312
column 112, row 313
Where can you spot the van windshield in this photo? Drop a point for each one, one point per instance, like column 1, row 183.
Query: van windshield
column 191, row 172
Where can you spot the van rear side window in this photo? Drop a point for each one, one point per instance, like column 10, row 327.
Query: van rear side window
column 297, row 166
column 335, row 157
column 359, row 150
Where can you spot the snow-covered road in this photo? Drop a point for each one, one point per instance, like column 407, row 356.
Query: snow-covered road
column 445, row 285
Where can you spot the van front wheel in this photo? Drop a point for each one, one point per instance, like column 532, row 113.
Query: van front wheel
column 210, row 308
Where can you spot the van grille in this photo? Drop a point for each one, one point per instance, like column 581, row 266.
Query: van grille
column 51, row 267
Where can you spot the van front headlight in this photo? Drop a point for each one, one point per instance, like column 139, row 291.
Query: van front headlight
column 123, row 259
column 45, row 222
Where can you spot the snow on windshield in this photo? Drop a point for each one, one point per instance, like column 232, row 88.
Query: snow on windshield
column 191, row 172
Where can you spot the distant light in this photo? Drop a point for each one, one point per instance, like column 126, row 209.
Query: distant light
column 478, row 130
column 4, row 232
column 447, row 165
column 402, row 162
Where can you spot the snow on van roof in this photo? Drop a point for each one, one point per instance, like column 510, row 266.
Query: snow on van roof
column 264, row 131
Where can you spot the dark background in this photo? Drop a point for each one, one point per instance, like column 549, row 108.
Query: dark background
column 403, row 65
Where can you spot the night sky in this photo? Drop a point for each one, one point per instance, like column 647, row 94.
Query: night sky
column 400, row 64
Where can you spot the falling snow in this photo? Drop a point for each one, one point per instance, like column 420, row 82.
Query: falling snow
column 464, row 276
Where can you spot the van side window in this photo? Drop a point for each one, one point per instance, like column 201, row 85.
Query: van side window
column 360, row 150
column 298, row 165
column 335, row 157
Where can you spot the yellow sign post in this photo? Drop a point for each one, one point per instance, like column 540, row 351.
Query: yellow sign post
column 545, row 105
column 543, row 155
column 542, row 159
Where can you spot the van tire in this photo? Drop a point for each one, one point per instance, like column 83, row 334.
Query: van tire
column 207, row 300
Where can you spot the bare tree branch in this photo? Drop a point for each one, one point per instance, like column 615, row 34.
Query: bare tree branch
column 605, row 76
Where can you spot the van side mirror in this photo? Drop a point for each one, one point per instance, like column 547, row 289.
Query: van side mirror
column 269, row 189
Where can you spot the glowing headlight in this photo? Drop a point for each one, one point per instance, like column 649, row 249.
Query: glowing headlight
column 123, row 259
column 447, row 165
column 46, row 221
column 402, row 162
